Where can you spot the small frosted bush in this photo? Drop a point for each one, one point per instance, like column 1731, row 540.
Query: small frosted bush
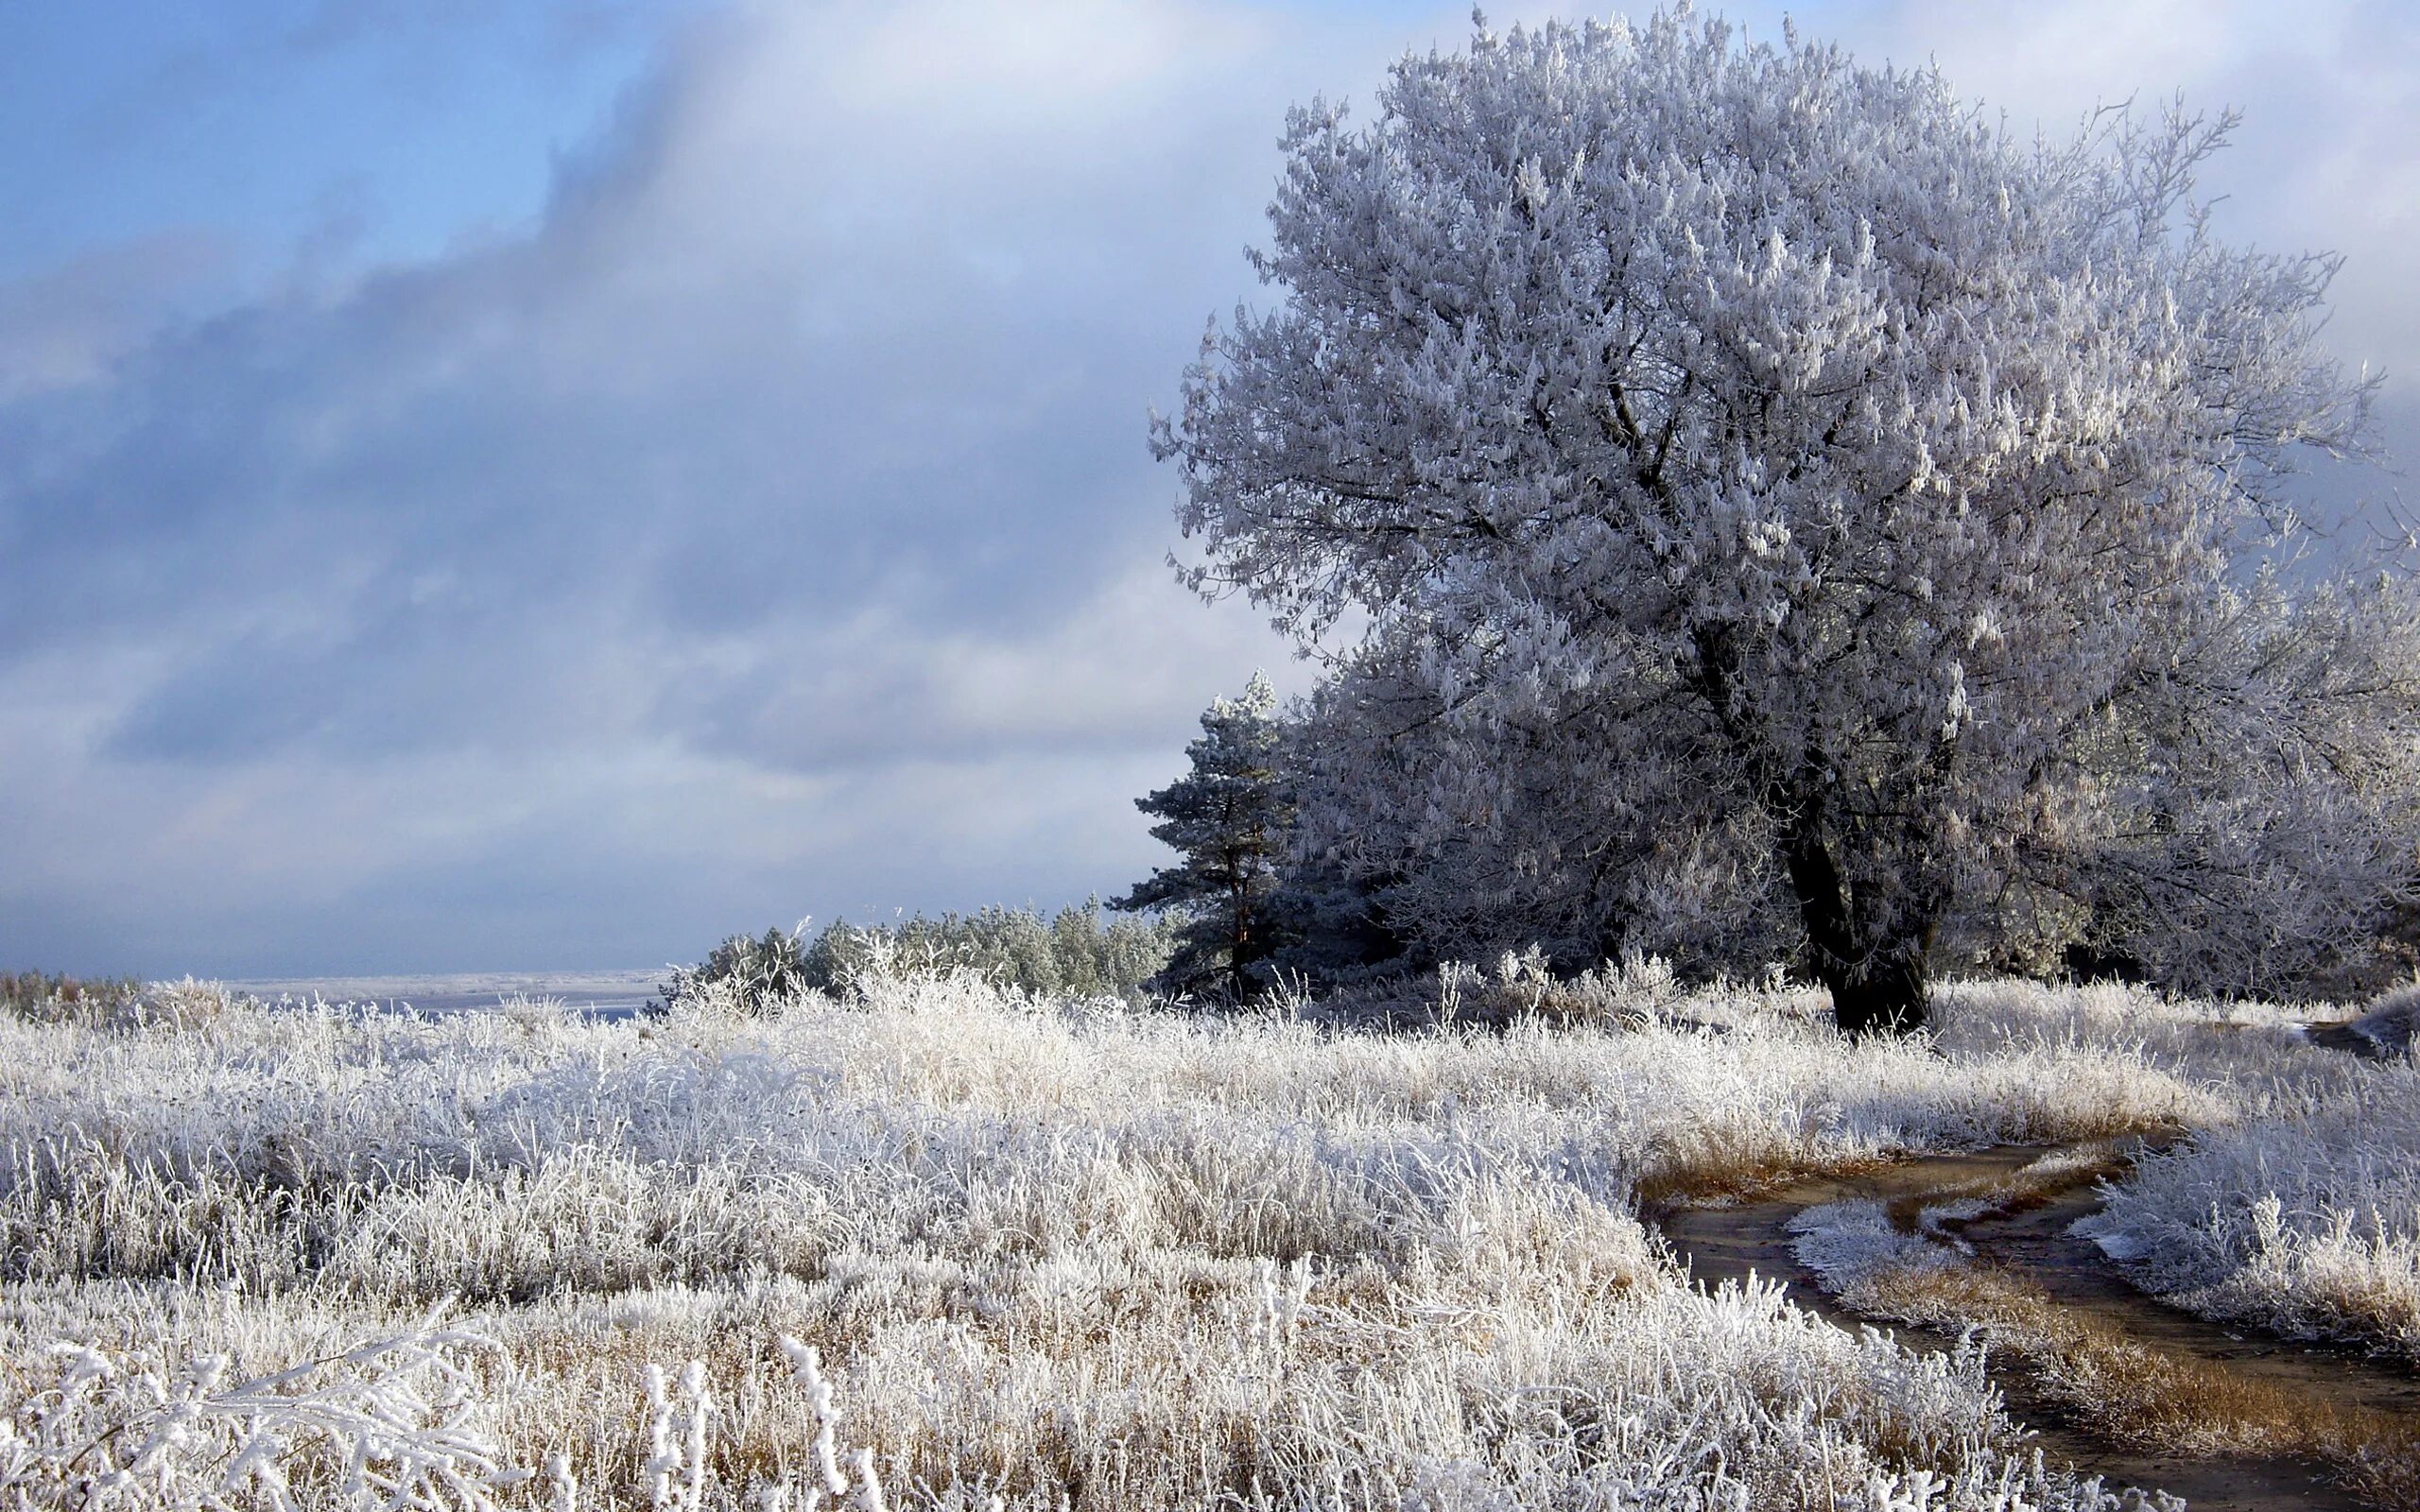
column 126, row 1003
column 2391, row 1019
column 1077, row 952
column 753, row 976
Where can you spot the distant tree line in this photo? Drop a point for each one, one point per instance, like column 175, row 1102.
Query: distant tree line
column 1073, row 952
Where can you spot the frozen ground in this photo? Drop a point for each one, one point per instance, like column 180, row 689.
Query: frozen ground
column 1052, row 1253
column 1981, row 1243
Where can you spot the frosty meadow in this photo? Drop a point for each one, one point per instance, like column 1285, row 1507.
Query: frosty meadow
column 1833, row 745
column 1077, row 1253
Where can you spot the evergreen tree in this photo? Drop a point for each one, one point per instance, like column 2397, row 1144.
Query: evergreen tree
column 1229, row 819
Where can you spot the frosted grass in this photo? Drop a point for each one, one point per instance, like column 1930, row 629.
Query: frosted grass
column 2305, row 1219
column 1044, row 1250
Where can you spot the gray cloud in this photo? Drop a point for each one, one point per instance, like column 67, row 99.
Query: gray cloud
column 734, row 532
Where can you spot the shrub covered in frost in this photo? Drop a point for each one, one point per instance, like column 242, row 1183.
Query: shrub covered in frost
column 2306, row 1220
column 749, row 976
column 1076, row 953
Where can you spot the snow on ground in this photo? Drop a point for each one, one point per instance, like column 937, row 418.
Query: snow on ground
column 601, row 994
column 1044, row 1250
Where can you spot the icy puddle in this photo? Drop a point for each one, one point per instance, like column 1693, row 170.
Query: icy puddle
column 2112, row 1381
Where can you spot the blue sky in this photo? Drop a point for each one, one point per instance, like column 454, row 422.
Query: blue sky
column 524, row 486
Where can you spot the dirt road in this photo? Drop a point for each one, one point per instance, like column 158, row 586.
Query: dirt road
column 2026, row 1234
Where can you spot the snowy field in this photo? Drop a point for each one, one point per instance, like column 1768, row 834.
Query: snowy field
column 596, row 994
column 1072, row 1254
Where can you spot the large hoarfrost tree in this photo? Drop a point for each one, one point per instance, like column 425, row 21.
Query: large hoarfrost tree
column 1229, row 819
column 1757, row 465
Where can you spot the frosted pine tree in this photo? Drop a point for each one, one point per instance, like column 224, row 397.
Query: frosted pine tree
column 1756, row 480
column 1228, row 818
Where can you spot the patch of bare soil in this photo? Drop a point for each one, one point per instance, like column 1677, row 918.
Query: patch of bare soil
column 2111, row 1380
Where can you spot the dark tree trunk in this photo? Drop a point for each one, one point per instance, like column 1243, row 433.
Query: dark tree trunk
column 1888, row 995
column 1239, row 940
column 1877, row 977
column 2092, row 963
column 1877, row 987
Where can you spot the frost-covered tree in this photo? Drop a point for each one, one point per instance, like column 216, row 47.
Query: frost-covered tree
column 1486, row 837
column 1229, row 819
column 1758, row 480
column 2247, row 818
